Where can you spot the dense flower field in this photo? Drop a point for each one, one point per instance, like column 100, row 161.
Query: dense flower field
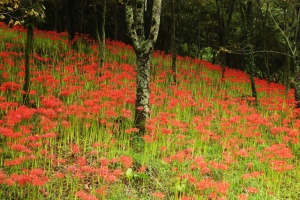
column 205, row 139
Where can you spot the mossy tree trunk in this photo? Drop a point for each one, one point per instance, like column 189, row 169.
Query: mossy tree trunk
column 143, row 47
column 28, row 51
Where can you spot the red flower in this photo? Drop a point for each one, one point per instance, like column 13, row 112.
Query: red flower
column 158, row 195
column 12, row 86
column 85, row 196
column 126, row 161
column 75, row 149
column 252, row 190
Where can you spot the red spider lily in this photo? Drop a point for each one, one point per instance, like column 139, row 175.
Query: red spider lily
column 205, row 184
column 280, row 165
column 126, row 161
column 131, row 130
column 104, row 161
column 4, row 54
column 34, row 177
column 49, row 135
column 252, row 190
column 59, row 175
column 243, row 153
column 166, row 131
column 117, row 173
column 184, row 197
column 102, row 191
column 126, row 113
column 20, row 147
column 19, row 160
column 75, row 149
column 103, row 171
column 2, row 176
column 110, row 178
column 148, row 138
column 11, row 86
column 158, row 195
column 78, row 175
column 8, row 181
column 252, row 175
column 81, row 161
column 7, row 132
column 5, row 75
column 243, row 197
column 278, row 150
column 51, row 102
column 88, row 169
column 216, row 165
column 85, row 196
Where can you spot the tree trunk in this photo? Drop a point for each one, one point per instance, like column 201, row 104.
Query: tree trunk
column 142, row 91
column 100, row 38
column 143, row 48
column 225, row 11
column 265, row 54
column 173, row 43
column 222, row 55
column 71, row 19
column 116, row 23
column 286, row 77
column 102, row 43
column 297, row 82
column 28, row 51
column 249, row 45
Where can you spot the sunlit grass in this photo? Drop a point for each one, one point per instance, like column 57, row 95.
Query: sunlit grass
column 205, row 138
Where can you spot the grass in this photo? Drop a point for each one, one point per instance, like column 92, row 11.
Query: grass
column 205, row 138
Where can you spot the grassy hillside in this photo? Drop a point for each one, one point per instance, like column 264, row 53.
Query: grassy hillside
column 205, row 139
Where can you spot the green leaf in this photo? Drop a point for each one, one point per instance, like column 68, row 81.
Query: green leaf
column 143, row 176
column 17, row 23
column 129, row 173
column 180, row 185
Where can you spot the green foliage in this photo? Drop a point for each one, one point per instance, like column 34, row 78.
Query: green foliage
column 24, row 12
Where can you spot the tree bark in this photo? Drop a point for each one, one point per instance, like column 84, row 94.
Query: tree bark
column 249, row 41
column 265, row 54
column 100, row 38
column 116, row 23
column 173, row 43
column 286, row 75
column 142, row 91
column 71, row 19
column 102, row 43
column 297, row 82
column 224, row 9
column 28, row 51
column 143, row 48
